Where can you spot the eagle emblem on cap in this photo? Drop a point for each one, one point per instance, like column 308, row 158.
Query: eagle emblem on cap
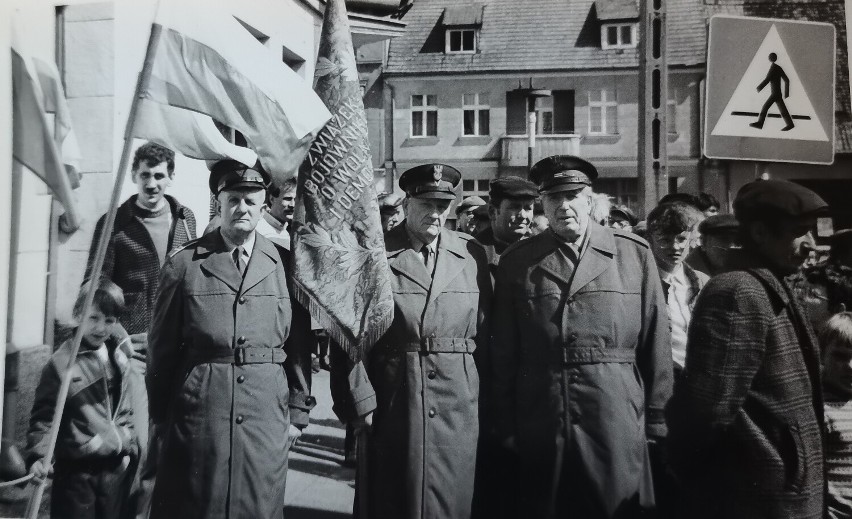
column 437, row 172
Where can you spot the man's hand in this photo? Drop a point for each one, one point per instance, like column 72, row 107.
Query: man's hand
column 41, row 469
column 139, row 343
column 294, row 434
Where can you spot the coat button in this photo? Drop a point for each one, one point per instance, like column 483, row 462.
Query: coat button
column 242, row 300
column 432, row 413
column 241, row 379
column 432, row 375
column 241, row 340
column 240, row 419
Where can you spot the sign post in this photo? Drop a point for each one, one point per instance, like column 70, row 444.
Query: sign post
column 770, row 90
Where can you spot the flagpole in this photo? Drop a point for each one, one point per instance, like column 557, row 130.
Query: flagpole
column 141, row 87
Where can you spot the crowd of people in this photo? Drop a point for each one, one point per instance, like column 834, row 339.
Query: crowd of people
column 552, row 356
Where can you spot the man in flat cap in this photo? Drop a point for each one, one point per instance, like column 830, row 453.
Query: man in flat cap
column 390, row 210
column 229, row 364
column 510, row 209
column 622, row 217
column 464, row 213
column 419, row 385
column 581, row 356
column 747, row 413
column 480, row 220
column 720, row 234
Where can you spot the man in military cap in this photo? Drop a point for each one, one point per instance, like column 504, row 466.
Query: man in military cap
column 720, row 234
column 229, row 364
column 746, row 416
column 419, row 385
column 510, row 208
column 390, row 210
column 464, row 213
column 581, row 356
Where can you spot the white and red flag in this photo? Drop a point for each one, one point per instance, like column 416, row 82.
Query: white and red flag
column 205, row 61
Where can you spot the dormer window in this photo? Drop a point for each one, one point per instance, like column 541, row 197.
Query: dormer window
column 461, row 41
column 461, row 25
column 618, row 35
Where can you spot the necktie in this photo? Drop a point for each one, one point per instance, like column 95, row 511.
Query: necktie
column 428, row 259
column 238, row 260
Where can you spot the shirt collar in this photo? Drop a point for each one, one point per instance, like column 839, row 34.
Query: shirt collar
column 676, row 276
column 418, row 245
column 248, row 246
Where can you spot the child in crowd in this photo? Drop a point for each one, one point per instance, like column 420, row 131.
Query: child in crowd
column 836, row 341
column 104, row 421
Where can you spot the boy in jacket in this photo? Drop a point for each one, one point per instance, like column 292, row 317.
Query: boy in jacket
column 104, row 421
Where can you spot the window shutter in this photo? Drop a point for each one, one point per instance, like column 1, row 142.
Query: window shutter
column 516, row 114
column 563, row 111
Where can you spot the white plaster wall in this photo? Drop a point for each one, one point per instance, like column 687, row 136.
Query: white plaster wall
column 106, row 86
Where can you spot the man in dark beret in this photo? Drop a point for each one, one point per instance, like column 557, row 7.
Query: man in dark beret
column 510, row 209
column 720, row 234
column 581, row 357
column 229, row 367
column 746, row 418
column 464, row 213
column 390, row 210
column 418, row 388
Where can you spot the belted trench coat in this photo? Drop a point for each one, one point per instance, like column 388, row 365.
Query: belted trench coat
column 422, row 381
column 582, row 371
column 226, row 424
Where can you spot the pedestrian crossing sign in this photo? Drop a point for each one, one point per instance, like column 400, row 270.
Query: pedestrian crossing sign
column 770, row 90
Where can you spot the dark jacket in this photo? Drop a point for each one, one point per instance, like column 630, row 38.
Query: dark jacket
column 423, row 382
column 131, row 261
column 582, row 368
column 91, row 428
column 225, row 424
column 746, row 418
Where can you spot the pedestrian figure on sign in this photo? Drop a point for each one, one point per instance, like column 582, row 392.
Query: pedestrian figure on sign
column 774, row 78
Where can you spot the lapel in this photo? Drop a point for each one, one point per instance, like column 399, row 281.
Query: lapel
column 806, row 339
column 403, row 260
column 600, row 252
column 218, row 262
column 554, row 263
column 449, row 263
column 264, row 259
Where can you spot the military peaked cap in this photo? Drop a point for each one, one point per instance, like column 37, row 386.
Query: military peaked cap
column 430, row 181
column 562, row 173
column 230, row 174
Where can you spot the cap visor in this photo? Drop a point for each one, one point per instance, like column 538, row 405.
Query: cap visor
column 560, row 188
column 439, row 195
column 243, row 186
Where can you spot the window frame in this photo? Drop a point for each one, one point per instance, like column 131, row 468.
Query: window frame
column 480, row 188
column 671, row 111
column 461, row 30
column 620, row 43
column 477, row 108
column 424, row 108
column 604, row 104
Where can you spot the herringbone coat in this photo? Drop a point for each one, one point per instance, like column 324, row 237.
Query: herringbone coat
column 745, row 422
column 132, row 262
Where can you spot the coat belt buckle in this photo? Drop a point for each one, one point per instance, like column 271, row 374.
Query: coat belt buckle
column 239, row 356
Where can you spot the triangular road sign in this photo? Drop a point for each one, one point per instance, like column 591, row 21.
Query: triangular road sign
column 763, row 89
